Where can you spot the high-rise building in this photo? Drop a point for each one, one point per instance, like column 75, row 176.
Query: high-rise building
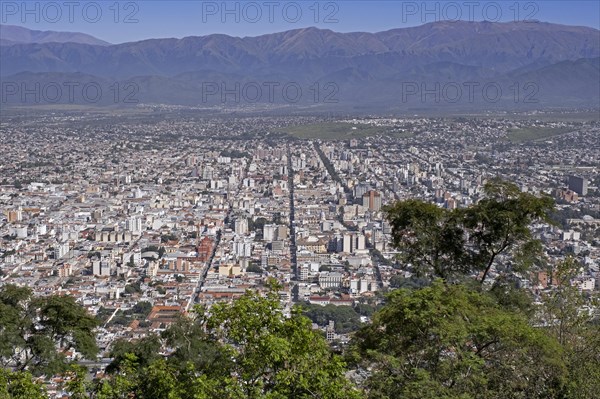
column 372, row 200
column 360, row 190
column 330, row 330
column 15, row 215
column 205, row 249
column 243, row 248
column 270, row 232
column 330, row 280
column 578, row 184
column 61, row 250
column 348, row 242
column 304, row 269
column 65, row 270
column 134, row 225
column 101, row 268
column 241, row 226
column 352, row 242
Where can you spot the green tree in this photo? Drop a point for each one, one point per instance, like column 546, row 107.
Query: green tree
column 35, row 332
column 246, row 349
column 451, row 244
column 510, row 296
column 76, row 383
column 68, row 324
column 345, row 318
column 19, row 385
column 16, row 320
column 276, row 356
column 364, row 309
column 566, row 313
column 145, row 350
column 398, row 281
column 501, row 222
column 449, row 341
column 123, row 383
column 142, row 308
column 257, row 225
column 133, row 288
column 194, row 346
column 430, row 238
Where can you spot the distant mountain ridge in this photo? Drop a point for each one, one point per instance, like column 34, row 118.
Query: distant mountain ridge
column 367, row 68
column 12, row 34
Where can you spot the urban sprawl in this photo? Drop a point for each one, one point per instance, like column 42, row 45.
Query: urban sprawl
column 142, row 217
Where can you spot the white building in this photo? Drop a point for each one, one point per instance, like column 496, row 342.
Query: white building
column 61, row 250
column 241, row 226
column 101, row 268
column 330, row 280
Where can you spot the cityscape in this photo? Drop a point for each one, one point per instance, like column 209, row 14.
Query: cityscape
column 140, row 222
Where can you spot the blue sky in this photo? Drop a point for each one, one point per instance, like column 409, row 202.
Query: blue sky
column 122, row 21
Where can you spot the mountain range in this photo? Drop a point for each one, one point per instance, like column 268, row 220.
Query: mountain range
column 11, row 34
column 441, row 64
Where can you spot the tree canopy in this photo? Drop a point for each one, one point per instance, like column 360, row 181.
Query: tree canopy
column 247, row 349
column 345, row 318
column 455, row 342
column 453, row 243
column 35, row 333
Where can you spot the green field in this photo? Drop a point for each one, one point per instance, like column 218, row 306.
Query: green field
column 535, row 133
column 339, row 131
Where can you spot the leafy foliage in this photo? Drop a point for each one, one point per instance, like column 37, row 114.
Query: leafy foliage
column 450, row 244
column 145, row 351
column 275, row 356
column 345, row 317
column 454, row 342
column 246, row 349
column 564, row 312
column 32, row 329
column 430, row 238
column 19, row 385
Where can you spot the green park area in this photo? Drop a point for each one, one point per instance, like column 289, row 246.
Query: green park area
column 535, row 133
